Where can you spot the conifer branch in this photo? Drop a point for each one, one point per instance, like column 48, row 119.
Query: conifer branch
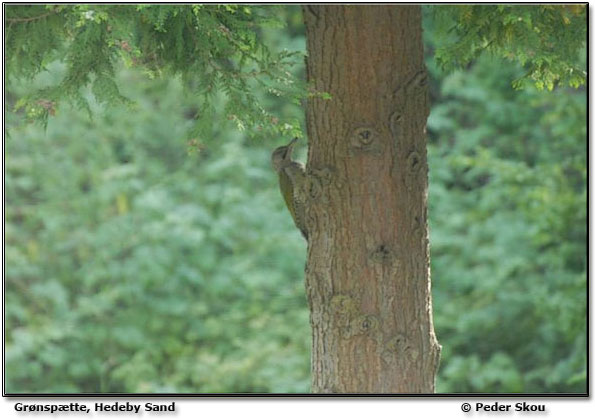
column 30, row 19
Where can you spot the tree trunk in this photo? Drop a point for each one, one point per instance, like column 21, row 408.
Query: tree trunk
column 367, row 276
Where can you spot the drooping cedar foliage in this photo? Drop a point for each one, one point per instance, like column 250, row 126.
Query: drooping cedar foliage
column 213, row 48
column 545, row 39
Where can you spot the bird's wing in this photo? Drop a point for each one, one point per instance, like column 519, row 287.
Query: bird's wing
column 298, row 174
column 287, row 192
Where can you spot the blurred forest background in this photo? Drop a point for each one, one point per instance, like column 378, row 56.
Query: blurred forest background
column 137, row 263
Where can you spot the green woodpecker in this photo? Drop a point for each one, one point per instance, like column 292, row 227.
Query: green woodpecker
column 292, row 180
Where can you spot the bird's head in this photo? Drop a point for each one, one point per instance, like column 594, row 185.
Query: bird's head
column 282, row 155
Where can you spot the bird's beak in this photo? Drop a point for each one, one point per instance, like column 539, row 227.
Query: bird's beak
column 290, row 147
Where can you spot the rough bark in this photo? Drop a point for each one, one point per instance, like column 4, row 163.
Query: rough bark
column 367, row 275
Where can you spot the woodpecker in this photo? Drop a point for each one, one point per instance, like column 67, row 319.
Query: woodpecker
column 292, row 180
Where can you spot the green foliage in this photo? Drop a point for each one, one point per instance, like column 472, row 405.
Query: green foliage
column 548, row 40
column 508, row 231
column 215, row 48
column 134, row 267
